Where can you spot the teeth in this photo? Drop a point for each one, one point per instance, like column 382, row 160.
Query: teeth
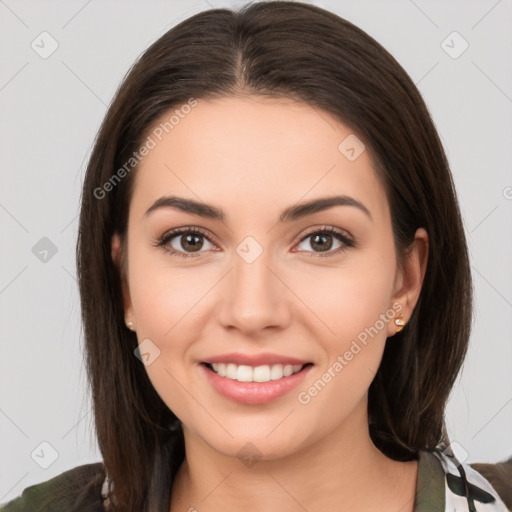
column 265, row 373
column 231, row 371
column 261, row 374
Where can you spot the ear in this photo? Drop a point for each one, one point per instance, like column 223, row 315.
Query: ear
column 409, row 278
column 119, row 262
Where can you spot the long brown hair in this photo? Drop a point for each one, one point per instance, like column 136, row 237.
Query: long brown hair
column 273, row 48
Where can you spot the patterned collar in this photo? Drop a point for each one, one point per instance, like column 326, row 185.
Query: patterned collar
column 446, row 485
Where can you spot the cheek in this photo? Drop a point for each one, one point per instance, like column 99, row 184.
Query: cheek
column 167, row 303
column 164, row 301
column 163, row 296
column 354, row 309
column 347, row 301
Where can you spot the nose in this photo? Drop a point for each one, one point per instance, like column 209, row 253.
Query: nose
column 254, row 297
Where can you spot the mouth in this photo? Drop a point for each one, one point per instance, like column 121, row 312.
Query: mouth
column 254, row 385
column 262, row 373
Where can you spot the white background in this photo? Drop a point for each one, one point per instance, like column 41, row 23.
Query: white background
column 50, row 111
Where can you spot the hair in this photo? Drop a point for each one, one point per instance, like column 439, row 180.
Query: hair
column 299, row 51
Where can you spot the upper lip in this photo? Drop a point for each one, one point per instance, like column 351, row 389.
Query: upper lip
column 255, row 359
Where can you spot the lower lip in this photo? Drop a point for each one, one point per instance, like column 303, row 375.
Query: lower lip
column 254, row 393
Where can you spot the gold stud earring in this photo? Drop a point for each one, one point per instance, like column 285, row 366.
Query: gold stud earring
column 400, row 323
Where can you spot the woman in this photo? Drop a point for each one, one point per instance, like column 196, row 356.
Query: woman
column 274, row 313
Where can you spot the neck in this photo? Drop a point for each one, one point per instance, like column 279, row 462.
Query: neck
column 342, row 471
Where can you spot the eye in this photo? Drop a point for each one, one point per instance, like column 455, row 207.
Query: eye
column 184, row 242
column 322, row 239
column 187, row 242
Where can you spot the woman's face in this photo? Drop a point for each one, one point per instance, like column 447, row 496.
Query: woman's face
column 260, row 283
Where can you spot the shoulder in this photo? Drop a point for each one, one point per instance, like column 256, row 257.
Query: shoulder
column 444, row 483
column 76, row 489
column 499, row 475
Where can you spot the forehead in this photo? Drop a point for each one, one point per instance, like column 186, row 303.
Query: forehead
column 254, row 153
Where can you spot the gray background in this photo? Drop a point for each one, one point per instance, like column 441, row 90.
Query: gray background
column 50, row 110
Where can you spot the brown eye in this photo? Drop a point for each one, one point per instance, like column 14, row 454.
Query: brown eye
column 191, row 242
column 184, row 242
column 322, row 241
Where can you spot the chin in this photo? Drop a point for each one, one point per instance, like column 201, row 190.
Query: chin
column 269, row 443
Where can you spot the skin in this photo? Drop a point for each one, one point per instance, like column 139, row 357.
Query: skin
column 253, row 157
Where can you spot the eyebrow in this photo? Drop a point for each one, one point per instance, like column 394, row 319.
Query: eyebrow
column 290, row 214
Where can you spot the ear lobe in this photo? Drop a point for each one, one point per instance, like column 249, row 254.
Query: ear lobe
column 117, row 258
column 411, row 276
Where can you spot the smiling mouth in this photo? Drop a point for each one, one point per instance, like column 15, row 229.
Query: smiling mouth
column 263, row 373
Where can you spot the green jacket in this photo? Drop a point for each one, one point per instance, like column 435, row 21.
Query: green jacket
column 443, row 485
column 76, row 489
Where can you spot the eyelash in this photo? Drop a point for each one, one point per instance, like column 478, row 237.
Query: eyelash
column 338, row 234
